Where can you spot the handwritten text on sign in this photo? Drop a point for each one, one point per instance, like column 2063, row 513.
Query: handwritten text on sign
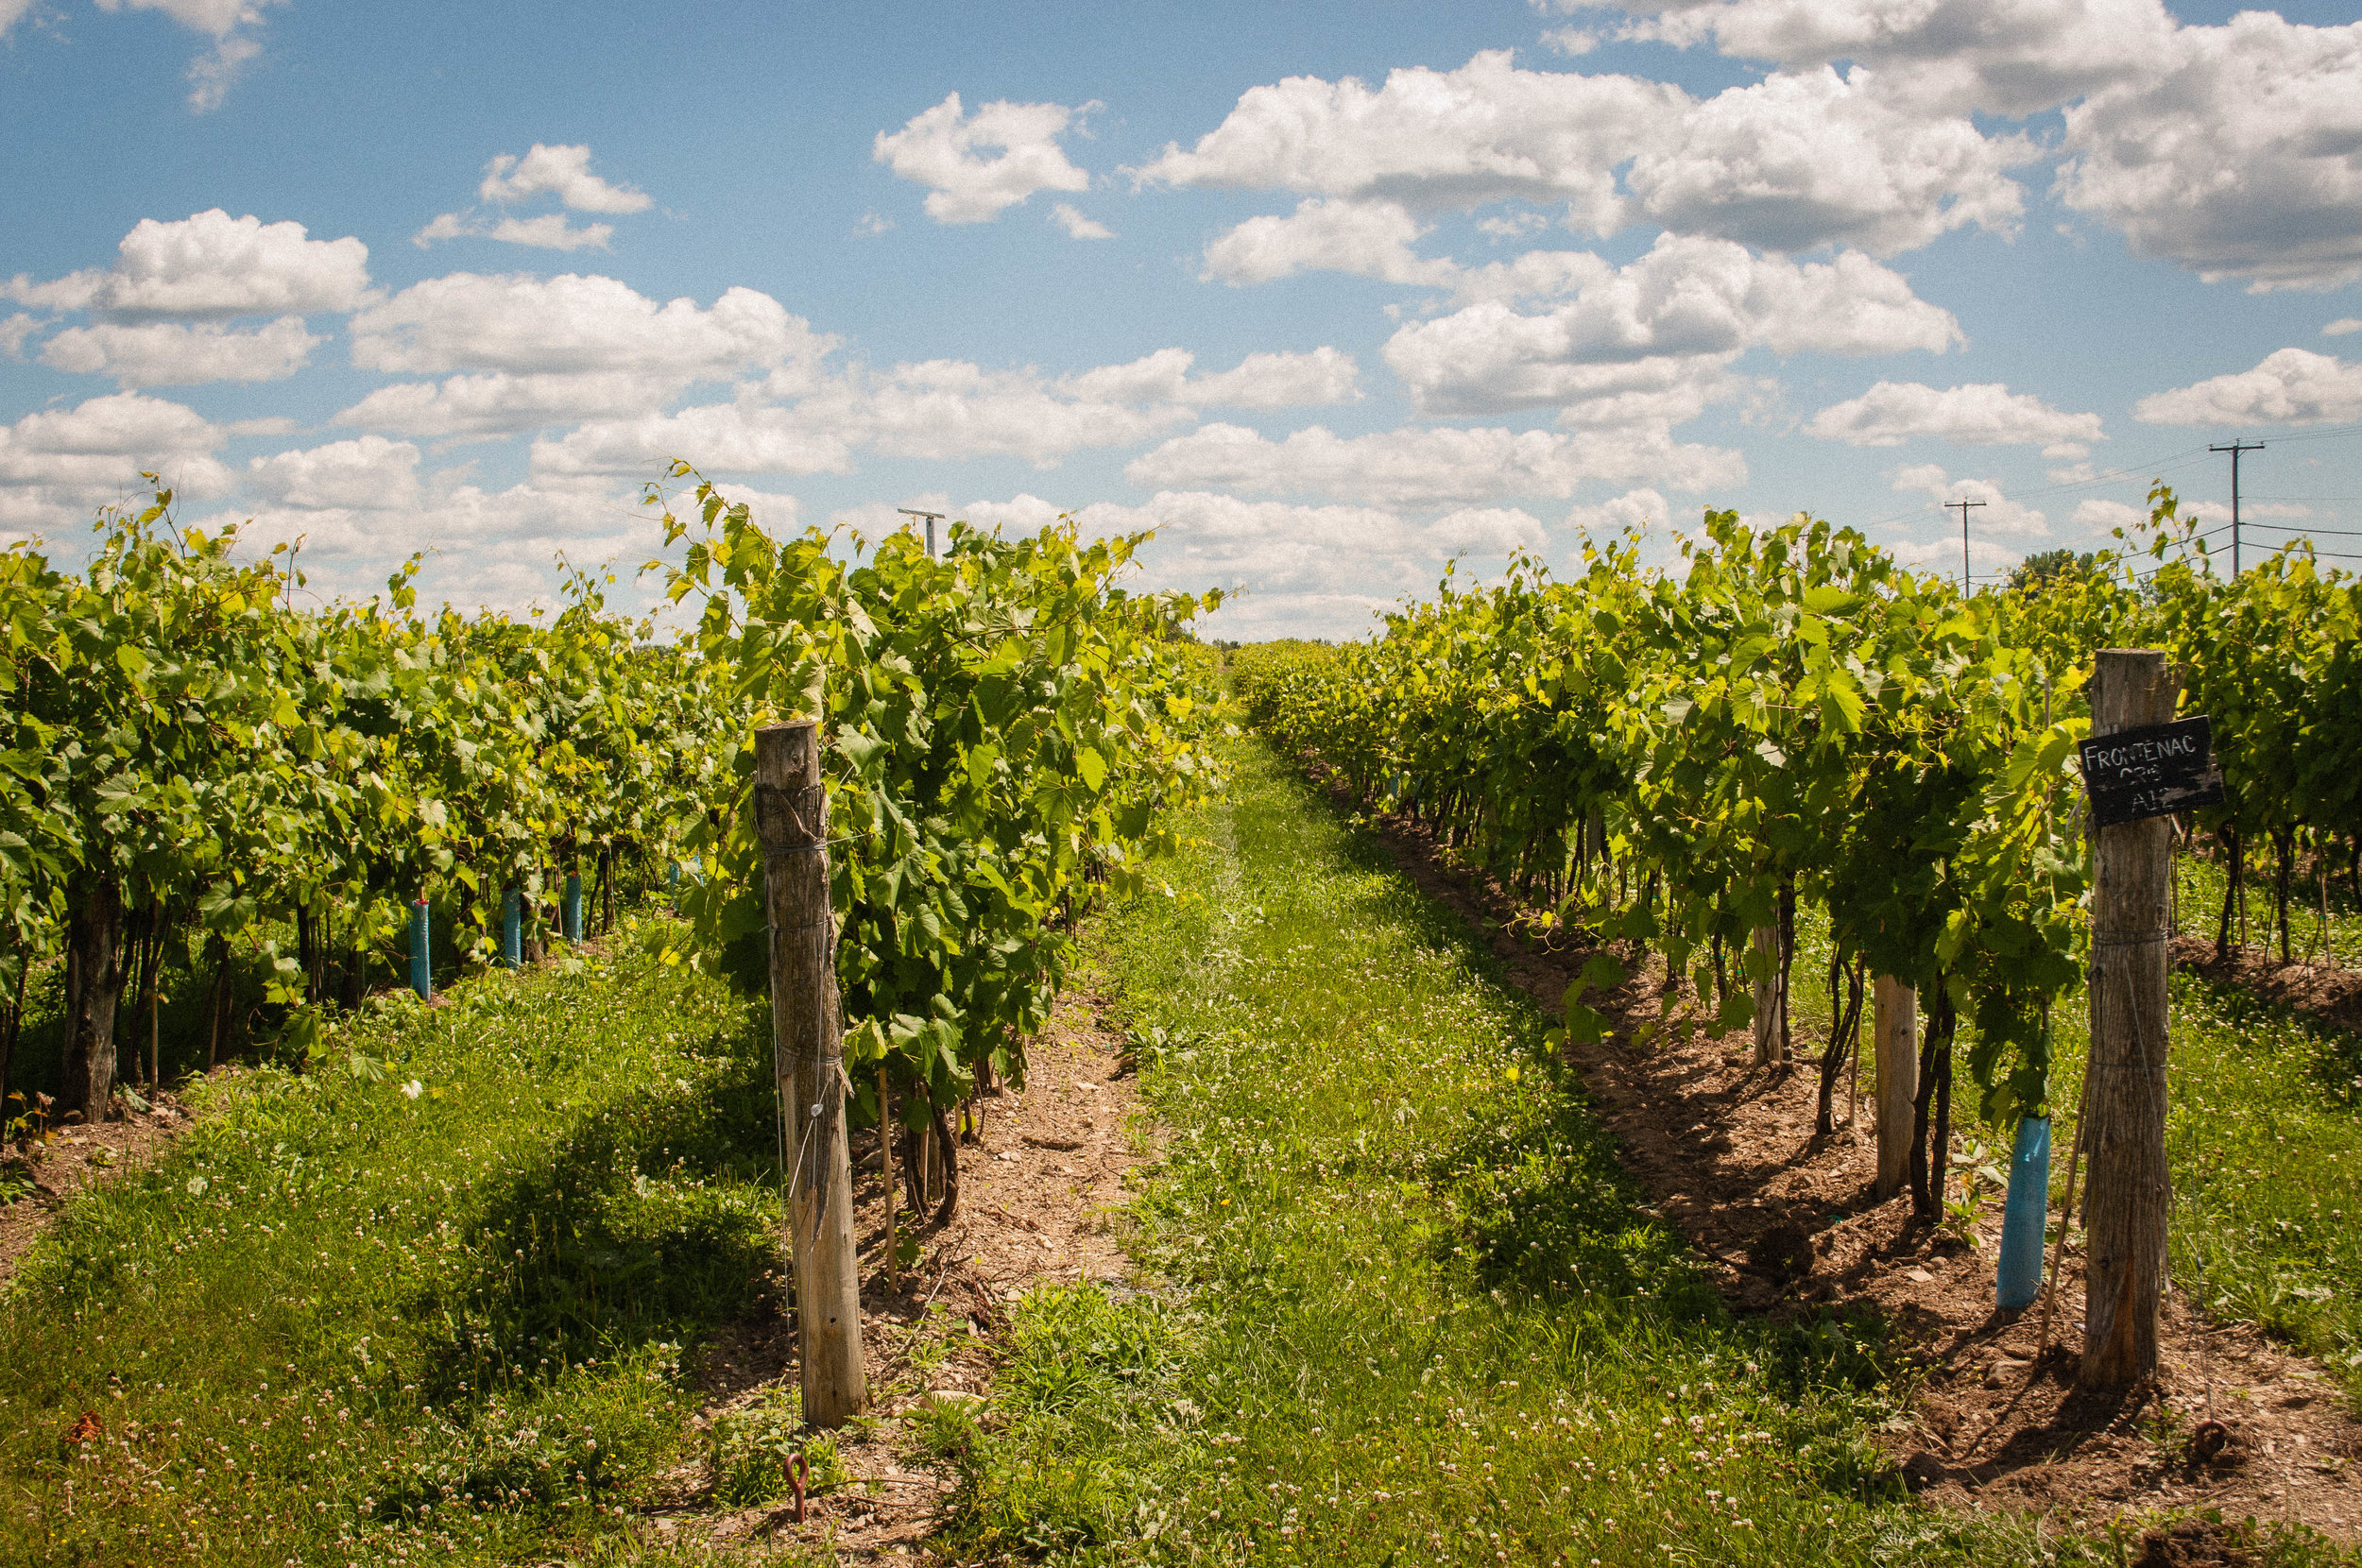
column 2151, row 771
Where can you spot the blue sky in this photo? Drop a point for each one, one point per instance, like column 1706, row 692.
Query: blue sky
column 1327, row 297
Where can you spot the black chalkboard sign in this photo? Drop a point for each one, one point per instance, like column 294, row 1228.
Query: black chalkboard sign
column 2151, row 771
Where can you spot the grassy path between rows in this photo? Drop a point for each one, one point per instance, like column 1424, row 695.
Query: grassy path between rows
column 1401, row 1305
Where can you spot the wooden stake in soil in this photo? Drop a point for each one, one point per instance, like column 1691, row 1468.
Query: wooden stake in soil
column 1766, row 959
column 1894, row 1022
column 2124, row 1136
column 808, row 1058
column 885, row 1163
column 2067, row 1223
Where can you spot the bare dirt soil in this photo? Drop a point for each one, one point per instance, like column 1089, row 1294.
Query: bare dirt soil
column 1039, row 1197
column 73, row 1158
column 2326, row 993
column 1783, row 1219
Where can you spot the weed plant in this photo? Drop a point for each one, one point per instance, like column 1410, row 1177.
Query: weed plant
column 753, row 1446
column 1402, row 1305
column 427, row 1302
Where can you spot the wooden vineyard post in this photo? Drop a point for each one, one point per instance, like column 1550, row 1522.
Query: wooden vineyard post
column 94, row 983
column 1894, row 1024
column 2130, row 1193
column 1766, row 945
column 808, row 1060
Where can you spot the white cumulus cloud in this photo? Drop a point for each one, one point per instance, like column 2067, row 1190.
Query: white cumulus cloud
column 1424, row 466
column 1488, row 530
column 1309, row 570
column 1434, row 141
column 2012, row 57
column 1797, row 161
column 1370, row 239
column 947, row 410
column 943, row 148
column 211, row 267
column 1633, row 509
column 543, row 231
column 1984, row 414
column 2234, row 151
column 720, row 438
column 369, row 474
column 171, row 353
column 1679, row 313
column 1262, row 380
column 2293, row 386
column 496, row 402
column 1068, row 217
column 59, row 466
column 542, row 351
column 1794, row 162
column 2228, row 150
column 2101, row 515
column 563, row 172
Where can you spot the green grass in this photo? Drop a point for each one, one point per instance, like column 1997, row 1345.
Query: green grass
column 343, row 1323
column 2264, row 1138
column 2199, row 886
column 1403, row 1307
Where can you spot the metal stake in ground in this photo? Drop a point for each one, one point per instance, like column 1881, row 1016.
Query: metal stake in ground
column 2124, row 1138
column 808, row 1059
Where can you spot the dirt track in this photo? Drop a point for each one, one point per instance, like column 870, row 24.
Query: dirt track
column 1037, row 1198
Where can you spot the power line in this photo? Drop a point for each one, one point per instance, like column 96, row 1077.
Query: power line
column 2324, row 434
column 2301, row 528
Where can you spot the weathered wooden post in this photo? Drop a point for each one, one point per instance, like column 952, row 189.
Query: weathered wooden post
column 1894, row 1024
column 93, row 985
column 1763, row 963
column 808, row 1060
column 2131, row 1192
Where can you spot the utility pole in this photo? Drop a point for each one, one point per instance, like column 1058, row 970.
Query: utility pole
column 1963, row 505
column 932, row 517
column 2234, row 449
